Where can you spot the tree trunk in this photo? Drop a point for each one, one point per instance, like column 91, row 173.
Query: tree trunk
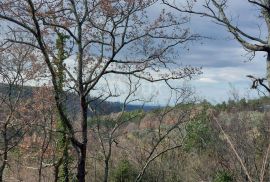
column 268, row 69
column 66, row 159
column 266, row 15
column 106, row 170
column 5, row 155
column 2, row 168
column 81, row 172
column 107, row 160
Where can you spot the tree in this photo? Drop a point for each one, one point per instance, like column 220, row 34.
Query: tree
column 64, row 143
column 106, row 37
column 159, row 134
column 42, row 131
column 109, row 129
column 217, row 11
column 164, row 134
column 14, row 122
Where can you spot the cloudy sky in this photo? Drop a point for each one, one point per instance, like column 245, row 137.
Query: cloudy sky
column 225, row 63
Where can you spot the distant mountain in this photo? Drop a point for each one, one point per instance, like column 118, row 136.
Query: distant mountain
column 105, row 107
column 117, row 106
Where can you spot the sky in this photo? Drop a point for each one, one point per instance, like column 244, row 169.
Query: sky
column 224, row 62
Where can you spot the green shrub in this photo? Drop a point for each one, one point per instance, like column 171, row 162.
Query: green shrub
column 124, row 172
column 223, row 176
column 198, row 133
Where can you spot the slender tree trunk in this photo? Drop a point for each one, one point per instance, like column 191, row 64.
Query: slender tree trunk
column 107, row 160
column 106, row 170
column 268, row 69
column 3, row 166
column 81, row 171
column 43, row 150
column 64, row 142
column 66, row 159
column 81, row 166
column 266, row 15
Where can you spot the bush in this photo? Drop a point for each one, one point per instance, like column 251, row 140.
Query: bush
column 124, row 172
column 223, row 176
column 199, row 133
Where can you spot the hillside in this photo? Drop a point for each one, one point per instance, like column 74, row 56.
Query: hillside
column 203, row 152
column 105, row 107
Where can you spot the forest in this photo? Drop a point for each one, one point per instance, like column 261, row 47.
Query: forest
column 99, row 90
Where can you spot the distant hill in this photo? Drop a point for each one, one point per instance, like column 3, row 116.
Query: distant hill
column 105, row 107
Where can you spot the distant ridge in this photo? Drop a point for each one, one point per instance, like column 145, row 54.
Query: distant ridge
column 105, row 107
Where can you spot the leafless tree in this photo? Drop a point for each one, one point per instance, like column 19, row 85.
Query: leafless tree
column 165, row 135
column 14, row 73
column 109, row 128
column 106, row 37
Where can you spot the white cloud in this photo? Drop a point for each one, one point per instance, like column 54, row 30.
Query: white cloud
column 207, row 80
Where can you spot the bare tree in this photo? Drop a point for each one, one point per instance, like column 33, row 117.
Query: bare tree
column 14, row 73
column 45, row 132
column 106, row 37
column 111, row 130
column 108, row 129
column 164, row 137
